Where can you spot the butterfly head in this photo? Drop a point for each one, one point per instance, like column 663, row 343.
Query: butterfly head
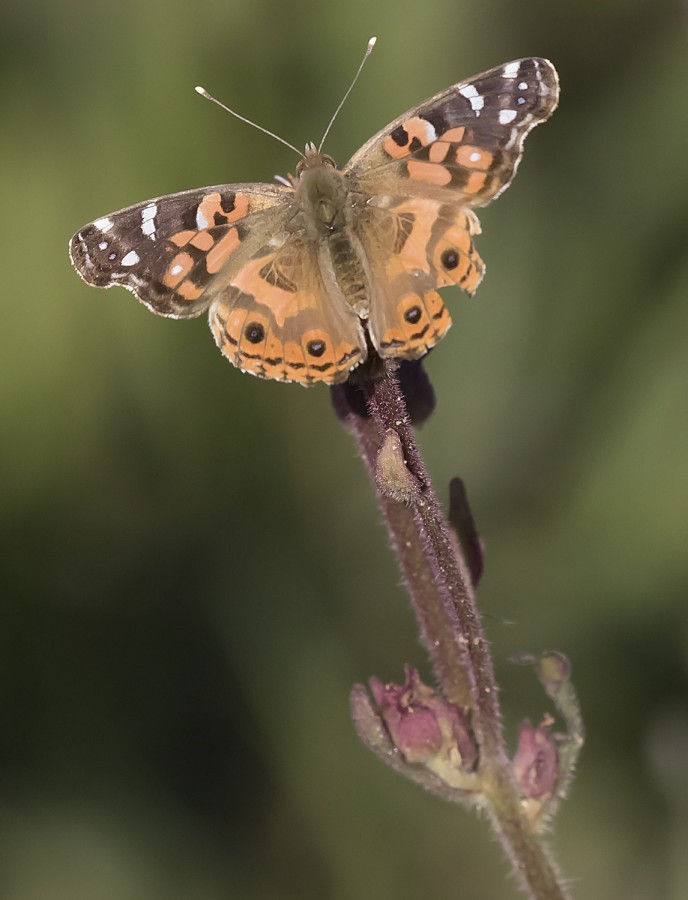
column 313, row 159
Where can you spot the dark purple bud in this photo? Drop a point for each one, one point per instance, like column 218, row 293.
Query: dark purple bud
column 461, row 520
column 349, row 400
column 417, row 390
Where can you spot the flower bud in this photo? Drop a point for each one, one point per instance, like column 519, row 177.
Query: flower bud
column 536, row 764
column 425, row 728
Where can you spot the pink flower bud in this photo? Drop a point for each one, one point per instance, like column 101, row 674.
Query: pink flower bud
column 425, row 728
column 536, row 763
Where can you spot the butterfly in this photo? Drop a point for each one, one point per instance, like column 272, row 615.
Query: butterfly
column 305, row 279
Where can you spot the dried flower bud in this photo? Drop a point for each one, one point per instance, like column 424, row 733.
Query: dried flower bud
column 536, row 761
column 427, row 729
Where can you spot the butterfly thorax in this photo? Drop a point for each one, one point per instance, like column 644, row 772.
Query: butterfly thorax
column 324, row 217
column 321, row 193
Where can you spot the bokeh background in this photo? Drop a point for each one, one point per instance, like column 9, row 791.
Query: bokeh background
column 193, row 568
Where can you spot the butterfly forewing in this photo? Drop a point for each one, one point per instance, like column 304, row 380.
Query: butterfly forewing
column 168, row 251
column 466, row 141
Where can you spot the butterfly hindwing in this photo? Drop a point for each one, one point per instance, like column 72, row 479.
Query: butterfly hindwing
column 415, row 245
column 277, row 317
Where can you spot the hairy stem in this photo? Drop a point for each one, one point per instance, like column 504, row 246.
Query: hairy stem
column 443, row 598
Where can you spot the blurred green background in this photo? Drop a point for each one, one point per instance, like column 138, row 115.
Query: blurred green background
column 194, row 572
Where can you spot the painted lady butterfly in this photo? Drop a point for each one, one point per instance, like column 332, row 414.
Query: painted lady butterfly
column 303, row 280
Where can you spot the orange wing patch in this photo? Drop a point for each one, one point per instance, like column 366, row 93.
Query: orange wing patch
column 473, row 157
column 211, row 211
column 203, row 240
column 408, row 137
column 178, row 269
column 222, row 250
column 438, row 151
column 429, row 172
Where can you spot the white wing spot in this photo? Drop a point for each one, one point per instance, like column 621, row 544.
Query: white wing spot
column 511, row 70
column 103, row 245
column 131, row 258
column 523, row 85
column 474, row 157
column 477, row 101
column 201, row 220
column 175, row 270
column 430, row 133
column 506, row 116
column 103, row 224
column 148, row 214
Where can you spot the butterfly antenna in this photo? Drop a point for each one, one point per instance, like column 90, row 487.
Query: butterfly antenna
column 369, row 50
column 204, row 93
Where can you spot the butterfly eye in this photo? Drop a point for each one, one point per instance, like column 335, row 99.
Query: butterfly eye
column 255, row 333
column 316, row 348
column 413, row 314
column 450, row 259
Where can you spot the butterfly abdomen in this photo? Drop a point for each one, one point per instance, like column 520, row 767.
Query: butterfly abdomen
column 348, row 271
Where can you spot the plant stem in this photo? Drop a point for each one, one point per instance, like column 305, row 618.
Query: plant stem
column 443, row 598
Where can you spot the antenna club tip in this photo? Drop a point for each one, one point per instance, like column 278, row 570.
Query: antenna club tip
column 372, row 42
column 200, row 90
